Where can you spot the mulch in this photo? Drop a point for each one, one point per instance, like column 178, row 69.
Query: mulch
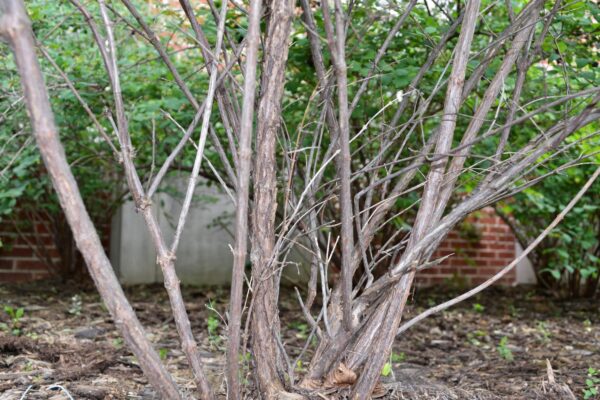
column 497, row 346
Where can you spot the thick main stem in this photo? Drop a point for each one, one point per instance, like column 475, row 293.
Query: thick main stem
column 265, row 318
column 16, row 28
column 395, row 301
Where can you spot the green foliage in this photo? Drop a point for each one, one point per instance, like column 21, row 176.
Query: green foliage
column 568, row 54
column 162, row 353
column 395, row 358
column 475, row 337
column 301, row 329
column 117, row 343
column 387, row 369
column 213, row 323
column 592, row 382
column 543, row 331
column 568, row 260
column 398, row 357
column 504, row 351
column 15, row 315
column 478, row 308
column 147, row 89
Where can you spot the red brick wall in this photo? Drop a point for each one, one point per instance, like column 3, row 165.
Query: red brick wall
column 24, row 251
column 479, row 248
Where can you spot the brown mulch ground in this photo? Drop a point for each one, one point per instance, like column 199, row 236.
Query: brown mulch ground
column 67, row 339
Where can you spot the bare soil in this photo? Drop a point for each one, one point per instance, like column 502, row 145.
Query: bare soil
column 66, row 338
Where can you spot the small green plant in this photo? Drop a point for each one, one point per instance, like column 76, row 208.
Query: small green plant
column 478, row 308
column 213, row 323
column 387, row 369
column 398, row 357
column 32, row 335
column 117, row 343
column 76, row 305
column 394, row 358
column 543, row 330
column 28, row 366
column 15, row 316
column 300, row 366
column 475, row 336
column 504, row 351
column 592, row 382
column 300, row 328
column 162, row 353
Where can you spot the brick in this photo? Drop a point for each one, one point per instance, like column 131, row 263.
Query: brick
column 485, row 254
column 447, row 270
column 467, row 253
column 453, row 235
column 30, row 265
column 486, row 220
column 444, row 252
column 456, row 262
column 43, row 239
column 41, row 228
column 422, row 281
column 13, row 277
column 18, row 252
column 500, row 246
column 487, row 271
column 477, row 280
column 6, row 264
column 505, row 255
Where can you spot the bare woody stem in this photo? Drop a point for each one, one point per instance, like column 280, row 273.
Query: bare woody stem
column 440, row 307
column 165, row 258
column 15, row 27
column 265, row 318
column 393, row 305
column 337, row 43
column 242, row 196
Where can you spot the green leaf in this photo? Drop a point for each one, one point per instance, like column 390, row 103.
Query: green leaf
column 555, row 273
column 162, row 353
column 387, row 369
column 14, row 192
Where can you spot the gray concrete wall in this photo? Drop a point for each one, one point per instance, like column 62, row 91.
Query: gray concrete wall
column 204, row 256
column 525, row 274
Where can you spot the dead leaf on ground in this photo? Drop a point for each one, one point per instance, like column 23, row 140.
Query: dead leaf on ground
column 342, row 376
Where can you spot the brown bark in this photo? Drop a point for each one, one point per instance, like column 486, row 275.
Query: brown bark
column 165, row 256
column 16, row 29
column 337, row 42
column 265, row 318
column 242, row 196
column 395, row 301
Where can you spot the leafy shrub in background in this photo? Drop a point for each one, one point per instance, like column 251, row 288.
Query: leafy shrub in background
column 26, row 194
column 568, row 260
column 150, row 94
